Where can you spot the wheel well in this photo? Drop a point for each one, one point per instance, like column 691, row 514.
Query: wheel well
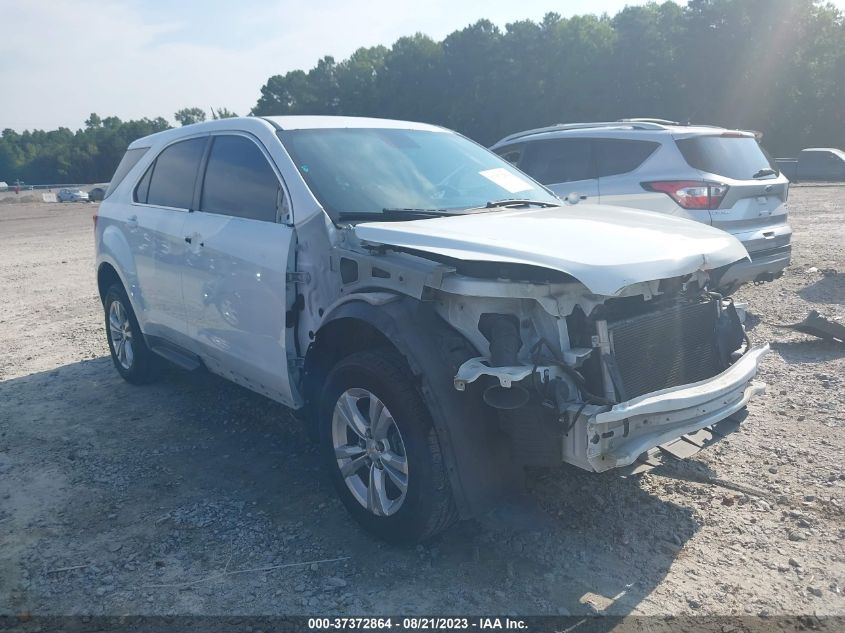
column 477, row 453
column 334, row 342
column 106, row 276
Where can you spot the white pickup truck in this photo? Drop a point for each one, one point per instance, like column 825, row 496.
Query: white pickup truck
column 814, row 163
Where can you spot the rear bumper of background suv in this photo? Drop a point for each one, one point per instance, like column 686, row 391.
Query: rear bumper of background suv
column 765, row 265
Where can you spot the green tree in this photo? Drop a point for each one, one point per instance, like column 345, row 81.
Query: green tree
column 93, row 121
column 188, row 116
column 222, row 113
column 285, row 94
column 771, row 65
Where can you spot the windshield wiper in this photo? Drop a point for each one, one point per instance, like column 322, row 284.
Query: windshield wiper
column 395, row 214
column 765, row 172
column 517, row 202
column 421, row 214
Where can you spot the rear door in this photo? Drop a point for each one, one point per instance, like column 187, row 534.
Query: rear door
column 154, row 229
column 754, row 206
column 564, row 165
column 234, row 281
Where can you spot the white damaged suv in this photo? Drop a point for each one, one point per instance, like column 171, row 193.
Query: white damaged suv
column 440, row 319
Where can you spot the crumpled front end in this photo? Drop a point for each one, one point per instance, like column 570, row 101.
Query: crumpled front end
column 627, row 376
column 595, row 356
column 619, row 436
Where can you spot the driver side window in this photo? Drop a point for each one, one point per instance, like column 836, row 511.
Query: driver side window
column 240, row 182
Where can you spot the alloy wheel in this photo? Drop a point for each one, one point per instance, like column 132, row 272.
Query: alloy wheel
column 370, row 452
column 120, row 331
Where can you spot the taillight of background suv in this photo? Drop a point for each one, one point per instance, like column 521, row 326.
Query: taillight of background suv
column 690, row 194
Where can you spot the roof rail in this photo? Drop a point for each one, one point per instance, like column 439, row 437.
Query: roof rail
column 687, row 124
column 652, row 120
column 634, row 124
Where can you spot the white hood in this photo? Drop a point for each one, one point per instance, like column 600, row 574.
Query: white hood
column 606, row 248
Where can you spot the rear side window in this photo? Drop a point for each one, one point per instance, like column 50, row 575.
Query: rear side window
column 174, row 175
column 820, row 159
column 558, row 160
column 617, row 156
column 729, row 156
column 814, row 159
column 129, row 160
column 239, row 181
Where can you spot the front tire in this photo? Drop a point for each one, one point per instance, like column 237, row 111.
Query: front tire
column 382, row 451
column 129, row 352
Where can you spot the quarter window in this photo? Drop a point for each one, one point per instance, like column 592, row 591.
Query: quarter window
column 558, row 160
column 239, row 181
column 174, row 174
column 143, row 189
column 617, row 156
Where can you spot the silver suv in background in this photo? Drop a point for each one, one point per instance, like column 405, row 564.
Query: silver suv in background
column 713, row 175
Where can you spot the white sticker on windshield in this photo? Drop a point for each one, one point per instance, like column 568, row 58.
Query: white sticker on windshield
column 506, row 180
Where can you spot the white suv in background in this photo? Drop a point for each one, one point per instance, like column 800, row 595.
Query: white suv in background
column 441, row 319
column 713, row 175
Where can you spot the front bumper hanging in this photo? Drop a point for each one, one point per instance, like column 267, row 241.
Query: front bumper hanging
column 678, row 421
column 619, row 436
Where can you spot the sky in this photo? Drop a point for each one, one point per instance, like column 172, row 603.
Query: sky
column 61, row 60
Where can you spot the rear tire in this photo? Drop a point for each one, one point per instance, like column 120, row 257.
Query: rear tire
column 129, row 352
column 382, row 451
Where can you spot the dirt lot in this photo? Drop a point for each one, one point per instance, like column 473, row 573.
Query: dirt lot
column 176, row 497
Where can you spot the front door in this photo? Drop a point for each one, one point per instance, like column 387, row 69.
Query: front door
column 234, row 281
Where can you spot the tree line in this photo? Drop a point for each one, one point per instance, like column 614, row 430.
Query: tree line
column 777, row 66
column 88, row 155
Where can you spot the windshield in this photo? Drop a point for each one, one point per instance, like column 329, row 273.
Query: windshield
column 740, row 158
column 355, row 171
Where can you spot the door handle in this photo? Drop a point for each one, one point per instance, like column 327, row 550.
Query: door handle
column 188, row 239
column 132, row 221
column 195, row 237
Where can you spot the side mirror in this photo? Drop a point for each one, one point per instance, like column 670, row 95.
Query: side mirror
column 573, row 197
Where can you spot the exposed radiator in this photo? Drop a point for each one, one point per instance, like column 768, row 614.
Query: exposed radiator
column 666, row 348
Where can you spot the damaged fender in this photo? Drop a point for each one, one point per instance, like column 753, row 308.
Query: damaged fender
column 476, row 452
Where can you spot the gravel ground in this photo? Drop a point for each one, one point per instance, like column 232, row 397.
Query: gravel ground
column 175, row 498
